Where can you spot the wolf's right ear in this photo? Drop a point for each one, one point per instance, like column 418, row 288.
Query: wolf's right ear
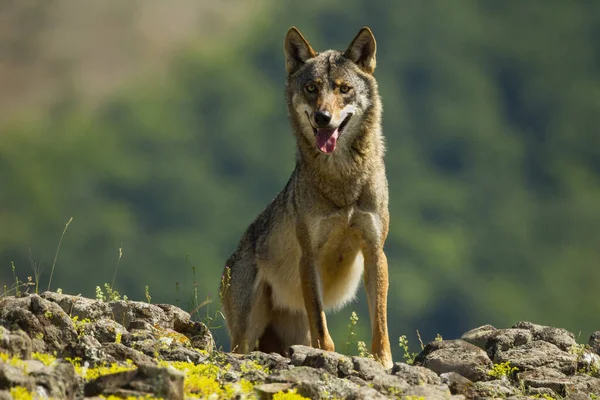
column 297, row 50
column 362, row 50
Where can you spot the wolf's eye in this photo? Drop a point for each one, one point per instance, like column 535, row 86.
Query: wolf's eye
column 345, row 88
column 311, row 88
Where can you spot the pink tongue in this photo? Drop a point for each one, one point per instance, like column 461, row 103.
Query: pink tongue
column 326, row 139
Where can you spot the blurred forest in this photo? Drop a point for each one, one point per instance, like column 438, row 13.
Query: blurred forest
column 162, row 130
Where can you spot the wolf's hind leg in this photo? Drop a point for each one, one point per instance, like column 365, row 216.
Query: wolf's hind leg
column 259, row 316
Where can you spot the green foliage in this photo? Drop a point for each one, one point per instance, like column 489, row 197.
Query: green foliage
column 110, row 294
column 351, row 333
column 493, row 162
column 408, row 357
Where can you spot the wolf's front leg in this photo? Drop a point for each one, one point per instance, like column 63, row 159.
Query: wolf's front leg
column 313, row 294
column 376, row 284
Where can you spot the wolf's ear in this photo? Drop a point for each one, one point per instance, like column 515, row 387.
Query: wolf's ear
column 362, row 50
column 297, row 50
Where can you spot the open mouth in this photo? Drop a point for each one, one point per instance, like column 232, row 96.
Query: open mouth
column 327, row 137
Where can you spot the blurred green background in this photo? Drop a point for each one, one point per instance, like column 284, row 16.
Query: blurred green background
column 161, row 129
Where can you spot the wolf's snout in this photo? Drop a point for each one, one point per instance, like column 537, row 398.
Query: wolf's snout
column 322, row 118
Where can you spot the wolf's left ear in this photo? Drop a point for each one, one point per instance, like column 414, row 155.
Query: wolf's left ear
column 362, row 50
column 297, row 50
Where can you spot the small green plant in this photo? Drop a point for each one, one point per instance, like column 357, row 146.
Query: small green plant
column 502, row 370
column 409, row 357
column 147, row 294
column 37, row 271
column 109, row 294
column 363, row 351
column 421, row 340
column 351, row 338
column 209, row 318
column 57, row 250
column 112, row 285
column 18, row 284
column 588, row 360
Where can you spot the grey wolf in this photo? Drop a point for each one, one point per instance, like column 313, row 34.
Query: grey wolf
column 308, row 250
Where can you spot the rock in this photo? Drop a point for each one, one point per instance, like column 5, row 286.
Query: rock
column 298, row 353
column 123, row 353
column 594, row 342
column 146, row 379
column 391, row 385
column 49, row 327
column 538, row 354
column 545, row 378
column 584, row 384
column 11, row 376
column 271, row 361
column 314, row 383
column 80, row 307
column 58, row 382
column 479, row 336
column 125, row 312
column 455, row 356
column 334, row 363
column 15, row 343
column 180, row 321
column 497, row 388
column 578, row 396
column 458, row 384
column 504, row 339
column 367, row 368
column 368, row 393
column 267, row 390
column 562, row 338
column 105, row 330
column 430, row 392
column 416, row 375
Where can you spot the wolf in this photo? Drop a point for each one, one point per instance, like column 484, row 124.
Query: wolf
column 308, row 250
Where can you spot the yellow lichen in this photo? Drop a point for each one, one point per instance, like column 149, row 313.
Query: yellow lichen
column 14, row 361
column 251, row 365
column 90, row 373
column 80, row 325
column 20, row 393
column 289, row 395
column 146, row 397
column 203, row 381
column 502, row 370
column 47, row 359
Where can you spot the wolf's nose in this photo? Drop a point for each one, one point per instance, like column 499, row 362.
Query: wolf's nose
column 322, row 118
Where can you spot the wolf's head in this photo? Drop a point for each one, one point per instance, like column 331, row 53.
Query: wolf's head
column 331, row 94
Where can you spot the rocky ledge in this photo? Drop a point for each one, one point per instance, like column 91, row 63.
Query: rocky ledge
column 59, row 346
